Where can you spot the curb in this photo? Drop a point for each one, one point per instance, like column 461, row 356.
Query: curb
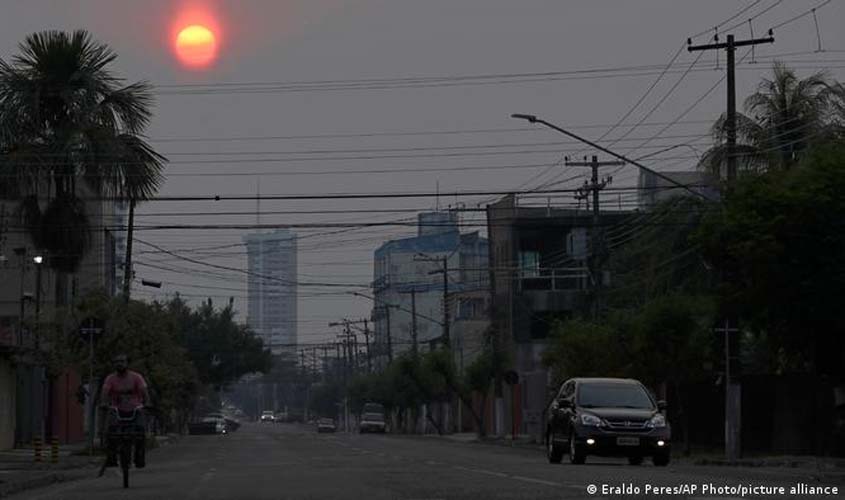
column 785, row 463
column 41, row 481
column 62, row 476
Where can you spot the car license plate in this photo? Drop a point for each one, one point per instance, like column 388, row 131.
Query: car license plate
column 627, row 441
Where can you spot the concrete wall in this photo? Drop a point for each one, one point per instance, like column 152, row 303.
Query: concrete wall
column 7, row 404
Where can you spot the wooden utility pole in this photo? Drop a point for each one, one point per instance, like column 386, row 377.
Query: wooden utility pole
column 444, row 269
column 127, row 270
column 730, row 122
column 596, row 234
column 389, row 338
column 325, row 362
column 367, row 342
column 733, row 389
column 414, row 349
column 733, row 395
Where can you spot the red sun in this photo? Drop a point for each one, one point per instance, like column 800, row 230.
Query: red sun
column 196, row 46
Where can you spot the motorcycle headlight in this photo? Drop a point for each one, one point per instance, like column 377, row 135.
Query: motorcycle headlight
column 591, row 420
column 658, row 421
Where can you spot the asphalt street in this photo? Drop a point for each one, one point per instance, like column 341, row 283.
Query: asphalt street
column 287, row 461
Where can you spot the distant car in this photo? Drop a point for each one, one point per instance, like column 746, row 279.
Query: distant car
column 326, row 425
column 372, row 419
column 232, row 424
column 267, row 417
column 280, row 417
column 607, row 417
column 220, row 426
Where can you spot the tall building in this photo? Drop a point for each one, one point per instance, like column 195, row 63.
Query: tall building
column 271, row 288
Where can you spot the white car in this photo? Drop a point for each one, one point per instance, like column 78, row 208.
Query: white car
column 267, row 416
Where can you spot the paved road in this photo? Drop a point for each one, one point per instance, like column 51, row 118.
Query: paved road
column 284, row 461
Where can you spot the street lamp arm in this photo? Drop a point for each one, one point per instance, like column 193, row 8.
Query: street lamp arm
column 534, row 119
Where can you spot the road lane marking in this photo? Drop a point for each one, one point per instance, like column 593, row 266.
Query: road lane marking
column 538, row 481
column 516, row 478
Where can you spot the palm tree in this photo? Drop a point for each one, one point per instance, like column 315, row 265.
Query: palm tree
column 67, row 121
column 785, row 115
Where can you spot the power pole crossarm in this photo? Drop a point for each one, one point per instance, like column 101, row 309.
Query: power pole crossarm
column 596, row 238
column 730, row 123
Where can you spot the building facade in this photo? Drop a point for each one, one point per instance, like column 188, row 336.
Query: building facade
column 654, row 190
column 539, row 260
column 272, row 290
column 408, row 278
column 33, row 402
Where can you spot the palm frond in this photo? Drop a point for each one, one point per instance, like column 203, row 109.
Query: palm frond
column 124, row 165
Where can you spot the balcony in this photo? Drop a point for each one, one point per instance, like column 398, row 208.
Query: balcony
column 564, row 279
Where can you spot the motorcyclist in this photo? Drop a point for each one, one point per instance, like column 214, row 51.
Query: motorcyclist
column 126, row 390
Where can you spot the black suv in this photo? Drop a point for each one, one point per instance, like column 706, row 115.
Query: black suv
column 607, row 417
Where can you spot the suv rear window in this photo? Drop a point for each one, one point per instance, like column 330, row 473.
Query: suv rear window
column 598, row 395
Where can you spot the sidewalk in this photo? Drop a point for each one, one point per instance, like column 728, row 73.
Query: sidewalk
column 791, row 461
column 19, row 471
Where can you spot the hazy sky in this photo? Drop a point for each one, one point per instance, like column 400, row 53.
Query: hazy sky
column 555, row 42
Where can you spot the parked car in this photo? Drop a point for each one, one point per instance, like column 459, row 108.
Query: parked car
column 220, row 426
column 232, row 424
column 280, row 417
column 267, row 417
column 607, row 417
column 326, row 425
column 372, row 419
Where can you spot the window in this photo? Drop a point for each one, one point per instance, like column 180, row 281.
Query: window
column 529, row 263
column 471, row 308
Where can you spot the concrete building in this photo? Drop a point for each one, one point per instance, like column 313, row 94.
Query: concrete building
column 407, row 276
column 539, row 261
column 271, row 288
column 653, row 189
column 32, row 402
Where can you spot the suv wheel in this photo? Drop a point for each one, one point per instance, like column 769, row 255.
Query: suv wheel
column 576, row 453
column 553, row 451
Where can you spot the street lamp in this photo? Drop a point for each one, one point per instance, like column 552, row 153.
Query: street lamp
column 151, row 284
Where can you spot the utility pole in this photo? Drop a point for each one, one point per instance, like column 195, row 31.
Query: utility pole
column 127, row 270
column 733, row 396
column 444, row 262
column 367, row 341
column 21, row 253
column 325, row 362
column 413, row 293
column 596, row 234
column 414, row 349
column 389, row 338
column 356, row 365
column 733, row 389
column 730, row 47
column 337, row 354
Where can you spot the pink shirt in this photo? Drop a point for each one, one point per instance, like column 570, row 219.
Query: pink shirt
column 126, row 392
